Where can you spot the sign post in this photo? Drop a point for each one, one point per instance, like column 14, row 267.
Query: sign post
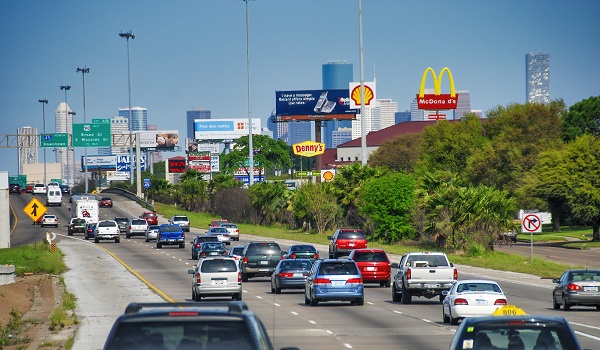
column 531, row 223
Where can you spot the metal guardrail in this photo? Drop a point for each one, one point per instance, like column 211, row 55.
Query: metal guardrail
column 129, row 195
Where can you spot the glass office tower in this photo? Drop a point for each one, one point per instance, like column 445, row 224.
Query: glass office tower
column 335, row 75
column 537, row 67
column 139, row 117
column 196, row 113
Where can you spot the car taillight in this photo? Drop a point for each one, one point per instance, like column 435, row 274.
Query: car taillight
column 183, row 235
column 355, row 280
column 573, row 286
column 500, row 302
column 286, row 274
column 315, row 256
column 224, row 253
column 245, row 260
column 203, row 253
column 293, row 256
column 198, row 279
column 322, row 281
column 408, row 274
column 197, row 245
column 461, row 301
column 455, row 274
column 239, row 276
column 129, row 227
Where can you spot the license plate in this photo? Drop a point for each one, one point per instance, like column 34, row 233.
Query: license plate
column 212, row 253
column 590, row 289
column 370, row 268
column 338, row 283
column 298, row 275
column 431, row 286
column 351, row 244
column 481, row 301
column 263, row 262
column 172, row 239
column 219, row 281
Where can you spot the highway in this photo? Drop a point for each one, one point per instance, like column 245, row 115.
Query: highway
column 379, row 323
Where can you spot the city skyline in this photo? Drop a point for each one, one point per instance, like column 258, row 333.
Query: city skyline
column 198, row 58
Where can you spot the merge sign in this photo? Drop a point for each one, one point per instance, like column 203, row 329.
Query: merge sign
column 54, row 140
column 91, row 135
column 35, row 209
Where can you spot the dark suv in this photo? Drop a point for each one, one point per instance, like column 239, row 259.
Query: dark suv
column 211, row 325
column 123, row 223
column 198, row 240
column 259, row 259
column 344, row 240
column 14, row 188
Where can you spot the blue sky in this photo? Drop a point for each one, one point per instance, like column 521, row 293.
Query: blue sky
column 192, row 53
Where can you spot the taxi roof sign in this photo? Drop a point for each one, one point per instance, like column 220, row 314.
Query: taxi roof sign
column 35, row 209
column 509, row 310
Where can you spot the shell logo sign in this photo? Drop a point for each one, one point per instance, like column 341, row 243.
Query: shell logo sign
column 309, row 148
column 327, row 175
column 437, row 101
column 355, row 100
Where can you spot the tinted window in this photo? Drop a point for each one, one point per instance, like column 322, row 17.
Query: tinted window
column 219, row 230
column 218, row 266
column 107, row 224
column 213, row 245
column 478, row 287
column 138, row 222
column 370, row 256
column 264, row 248
column 432, row 260
column 237, row 250
column 180, row 218
column 153, row 227
column 170, row 228
column 303, row 248
column 296, row 264
column 207, row 239
column 351, row 235
column 338, row 269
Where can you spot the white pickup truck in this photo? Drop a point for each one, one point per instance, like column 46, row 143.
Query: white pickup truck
column 422, row 274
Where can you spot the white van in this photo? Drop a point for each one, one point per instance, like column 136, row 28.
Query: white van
column 54, row 196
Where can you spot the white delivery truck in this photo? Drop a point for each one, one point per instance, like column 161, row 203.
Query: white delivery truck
column 86, row 208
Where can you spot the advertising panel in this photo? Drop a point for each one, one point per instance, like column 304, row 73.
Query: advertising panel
column 123, row 163
column 159, row 140
column 98, row 162
column 437, row 101
column 202, row 167
column 308, row 148
column 323, row 103
column 224, row 129
column 199, row 156
column 369, row 94
column 193, row 146
column 117, row 175
column 177, row 165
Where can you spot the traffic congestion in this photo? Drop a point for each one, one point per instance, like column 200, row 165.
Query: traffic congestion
column 304, row 306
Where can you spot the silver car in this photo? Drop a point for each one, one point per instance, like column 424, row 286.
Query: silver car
column 221, row 233
column 152, row 232
column 577, row 288
column 234, row 231
column 181, row 220
column 218, row 276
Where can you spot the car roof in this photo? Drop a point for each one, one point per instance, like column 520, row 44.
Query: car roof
column 369, row 250
column 508, row 319
column 476, row 281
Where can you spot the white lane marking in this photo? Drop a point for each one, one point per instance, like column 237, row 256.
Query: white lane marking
column 276, row 304
column 328, row 331
column 425, row 320
column 259, row 297
column 312, row 322
column 294, row 313
column 348, row 346
column 370, row 303
column 584, row 325
column 398, row 312
column 587, row 335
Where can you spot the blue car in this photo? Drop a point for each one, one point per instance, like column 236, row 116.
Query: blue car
column 290, row 274
column 334, row 280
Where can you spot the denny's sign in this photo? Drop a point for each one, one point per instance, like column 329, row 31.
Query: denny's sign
column 437, row 101
column 309, row 148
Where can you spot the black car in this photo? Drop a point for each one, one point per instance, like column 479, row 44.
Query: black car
column 210, row 325
column 14, row 188
column 512, row 332
column 197, row 242
column 260, row 259
column 122, row 222
column 65, row 189
column 211, row 249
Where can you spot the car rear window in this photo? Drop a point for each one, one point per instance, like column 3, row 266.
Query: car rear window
column 219, row 230
column 218, row 265
column 304, row 248
column 107, row 224
column 264, row 248
column 351, row 235
column 138, row 222
column 170, row 228
column 432, row 260
column 507, row 336
column 180, row 218
column 337, row 268
column 370, row 256
column 213, row 245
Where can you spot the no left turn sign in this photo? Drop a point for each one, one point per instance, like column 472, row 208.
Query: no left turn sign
column 531, row 224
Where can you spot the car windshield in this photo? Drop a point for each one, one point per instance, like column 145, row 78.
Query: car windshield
column 138, row 222
column 170, row 228
column 180, row 218
column 426, row 260
column 213, row 245
column 296, row 264
column 219, row 230
column 478, row 287
column 303, row 248
column 218, row 265
column 351, row 235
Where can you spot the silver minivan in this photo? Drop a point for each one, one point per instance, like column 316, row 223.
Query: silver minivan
column 218, row 276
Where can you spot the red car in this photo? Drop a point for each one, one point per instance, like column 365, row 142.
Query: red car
column 106, row 202
column 150, row 217
column 374, row 265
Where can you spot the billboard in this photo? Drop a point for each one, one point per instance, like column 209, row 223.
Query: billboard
column 98, row 162
column 224, row 129
column 308, row 148
column 159, row 140
column 437, row 101
column 176, row 165
column 369, row 94
column 123, row 163
column 319, row 104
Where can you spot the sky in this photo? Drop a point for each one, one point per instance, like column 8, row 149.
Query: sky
column 193, row 54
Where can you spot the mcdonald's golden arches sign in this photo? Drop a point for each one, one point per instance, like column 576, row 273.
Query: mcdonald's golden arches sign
column 437, row 101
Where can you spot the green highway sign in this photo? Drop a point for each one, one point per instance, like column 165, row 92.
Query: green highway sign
column 101, row 121
column 91, row 135
column 304, row 173
column 55, row 140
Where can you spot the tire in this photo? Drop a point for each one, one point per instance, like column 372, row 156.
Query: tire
column 127, row 235
column 597, row 307
column 196, row 296
column 96, row 240
column 158, row 246
column 566, row 305
column 182, row 245
column 86, row 237
column 388, row 283
column 406, row 296
column 453, row 321
column 382, row 284
column 244, row 277
column 555, row 305
column 118, row 240
column 360, row 302
column 237, row 296
column 70, row 233
column 147, row 240
column 395, row 297
column 272, row 288
column 445, row 319
column 277, row 290
column 313, row 301
column 306, row 300
column 331, row 256
column 442, row 297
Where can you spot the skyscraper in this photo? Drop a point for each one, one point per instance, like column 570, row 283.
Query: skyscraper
column 28, row 155
column 196, row 113
column 335, row 75
column 139, row 117
column 383, row 115
column 464, row 104
column 537, row 67
column 299, row 132
column 118, row 125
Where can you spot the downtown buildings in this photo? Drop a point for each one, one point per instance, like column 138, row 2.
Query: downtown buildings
column 537, row 75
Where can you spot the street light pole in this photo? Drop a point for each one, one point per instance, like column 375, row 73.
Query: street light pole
column 67, row 167
column 363, row 122
column 83, row 71
column 129, row 35
column 44, row 102
column 250, row 146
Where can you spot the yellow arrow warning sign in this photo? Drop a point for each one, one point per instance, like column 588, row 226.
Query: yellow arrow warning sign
column 35, row 209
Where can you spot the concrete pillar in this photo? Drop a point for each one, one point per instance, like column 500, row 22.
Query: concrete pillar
column 4, row 211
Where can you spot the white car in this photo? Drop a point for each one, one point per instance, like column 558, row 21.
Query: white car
column 234, row 231
column 236, row 252
column 107, row 230
column 472, row 298
column 218, row 276
column 221, row 233
column 49, row 220
column 39, row 189
column 152, row 232
column 181, row 220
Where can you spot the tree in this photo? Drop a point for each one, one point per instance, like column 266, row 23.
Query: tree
column 398, row 154
column 268, row 154
column 191, row 191
column 582, row 118
column 268, row 199
column 316, row 204
column 387, row 202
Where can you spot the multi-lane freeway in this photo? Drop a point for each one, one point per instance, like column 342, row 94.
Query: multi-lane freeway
column 380, row 323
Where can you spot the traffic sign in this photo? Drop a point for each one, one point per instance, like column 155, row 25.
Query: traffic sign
column 146, row 183
column 54, row 140
column 101, row 121
column 91, row 135
column 531, row 224
column 35, row 209
column 214, row 164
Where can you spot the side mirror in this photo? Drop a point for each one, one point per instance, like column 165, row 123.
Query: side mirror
column 451, row 265
column 394, row 265
column 191, row 271
column 445, row 292
column 554, row 280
